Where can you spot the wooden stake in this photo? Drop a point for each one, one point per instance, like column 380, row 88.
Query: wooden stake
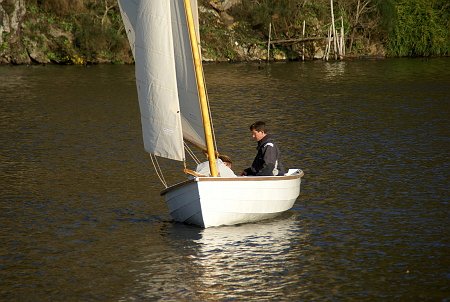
column 338, row 43
column 328, row 47
column 268, row 43
column 334, row 30
column 303, row 36
column 343, row 37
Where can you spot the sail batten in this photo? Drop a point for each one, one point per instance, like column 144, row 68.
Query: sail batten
column 169, row 106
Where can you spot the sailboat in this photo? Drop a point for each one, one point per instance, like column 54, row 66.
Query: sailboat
column 175, row 114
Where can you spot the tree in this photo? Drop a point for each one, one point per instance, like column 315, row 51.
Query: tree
column 420, row 28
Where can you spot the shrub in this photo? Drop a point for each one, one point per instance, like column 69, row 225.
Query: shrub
column 420, row 29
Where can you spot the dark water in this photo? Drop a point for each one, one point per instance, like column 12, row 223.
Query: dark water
column 81, row 218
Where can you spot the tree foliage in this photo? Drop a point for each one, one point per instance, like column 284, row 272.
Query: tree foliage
column 420, row 28
column 94, row 29
column 286, row 17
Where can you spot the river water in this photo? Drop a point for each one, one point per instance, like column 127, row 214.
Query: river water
column 82, row 220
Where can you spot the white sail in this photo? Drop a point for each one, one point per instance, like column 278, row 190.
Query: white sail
column 167, row 91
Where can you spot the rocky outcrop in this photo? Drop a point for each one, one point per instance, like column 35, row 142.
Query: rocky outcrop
column 12, row 14
column 221, row 6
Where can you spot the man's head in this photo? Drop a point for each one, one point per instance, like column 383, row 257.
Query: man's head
column 259, row 130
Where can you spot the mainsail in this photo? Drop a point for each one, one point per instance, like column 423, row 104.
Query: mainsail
column 166, row 84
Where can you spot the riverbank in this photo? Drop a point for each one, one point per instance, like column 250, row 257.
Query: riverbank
column 91, row 32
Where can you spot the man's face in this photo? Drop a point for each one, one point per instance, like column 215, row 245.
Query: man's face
column 258, row 135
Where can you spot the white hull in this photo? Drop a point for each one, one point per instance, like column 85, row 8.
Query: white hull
column 215, row 201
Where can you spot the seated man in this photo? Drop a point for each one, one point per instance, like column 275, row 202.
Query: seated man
column 267, row 160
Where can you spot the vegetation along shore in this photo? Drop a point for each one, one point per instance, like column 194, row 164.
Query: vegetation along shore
column 91, row 31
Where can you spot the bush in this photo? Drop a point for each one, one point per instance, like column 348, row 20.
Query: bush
column 421, row 28
column 60, row 7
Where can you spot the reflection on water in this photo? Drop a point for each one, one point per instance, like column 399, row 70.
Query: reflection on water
column 247, row 262
column 82, row 218
column 334, row 70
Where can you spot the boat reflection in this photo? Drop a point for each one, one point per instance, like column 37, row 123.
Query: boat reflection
column 249, row 262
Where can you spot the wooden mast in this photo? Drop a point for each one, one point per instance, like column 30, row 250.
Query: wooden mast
column 201, row 89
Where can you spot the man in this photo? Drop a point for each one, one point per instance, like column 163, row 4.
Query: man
column 267, row 161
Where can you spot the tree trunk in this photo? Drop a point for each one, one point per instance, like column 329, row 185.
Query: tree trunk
column 360, row 8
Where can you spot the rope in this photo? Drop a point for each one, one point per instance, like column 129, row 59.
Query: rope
column 191, row 153
column 158, row 170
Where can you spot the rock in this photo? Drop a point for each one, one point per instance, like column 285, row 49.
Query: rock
column 12, row 50
column 221, row 7
column 279, row 56
column 36, row 54
column 318, row 53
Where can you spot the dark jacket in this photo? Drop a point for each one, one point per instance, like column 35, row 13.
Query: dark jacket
column 267, row 161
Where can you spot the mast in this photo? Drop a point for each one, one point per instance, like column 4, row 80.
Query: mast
column 201, row 89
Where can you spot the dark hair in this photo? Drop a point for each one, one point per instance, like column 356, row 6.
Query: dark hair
column 225, row 159
column 259, row 126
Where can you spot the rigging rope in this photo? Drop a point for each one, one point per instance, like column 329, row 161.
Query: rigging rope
column 158, row 170
column 191, row 153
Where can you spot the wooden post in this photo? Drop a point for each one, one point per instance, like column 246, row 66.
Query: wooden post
column 303, row 36
column 342, row 38
column 338, row 43
column 334, row 30
column 268, row 43
column 328, row 47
